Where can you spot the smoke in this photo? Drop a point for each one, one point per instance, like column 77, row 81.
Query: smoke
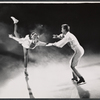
column 11, row 55
column 53, row 58
column 90, row 59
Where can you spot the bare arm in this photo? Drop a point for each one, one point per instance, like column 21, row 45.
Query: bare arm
column 40, row 43
column 60, row 43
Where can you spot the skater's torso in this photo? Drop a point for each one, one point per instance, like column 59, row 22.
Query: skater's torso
column 72, row 41
column 28, row 43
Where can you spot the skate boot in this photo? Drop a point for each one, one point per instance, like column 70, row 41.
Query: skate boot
column 81, row 81
column 74, row 77
column 14, row 19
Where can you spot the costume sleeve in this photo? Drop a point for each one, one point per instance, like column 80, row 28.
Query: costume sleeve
column 62, row 42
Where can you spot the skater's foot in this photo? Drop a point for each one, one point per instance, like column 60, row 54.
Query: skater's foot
column 14, row 19
column 81, row 81
column 74, row 77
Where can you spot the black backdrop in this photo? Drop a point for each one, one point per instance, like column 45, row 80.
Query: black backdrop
column 83, row 18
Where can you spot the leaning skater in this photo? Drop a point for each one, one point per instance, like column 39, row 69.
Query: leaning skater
column 30, row 41
column 67, row 37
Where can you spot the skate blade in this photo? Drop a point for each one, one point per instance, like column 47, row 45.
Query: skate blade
column 74, row 81
column 82, row 83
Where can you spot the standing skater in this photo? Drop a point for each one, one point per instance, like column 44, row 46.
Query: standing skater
column 67, row 37
column 28, row 42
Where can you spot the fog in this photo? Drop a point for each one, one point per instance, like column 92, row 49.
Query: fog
column 49, row 67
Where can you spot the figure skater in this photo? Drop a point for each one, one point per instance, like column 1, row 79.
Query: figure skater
column 28, row 42
column 67, row 37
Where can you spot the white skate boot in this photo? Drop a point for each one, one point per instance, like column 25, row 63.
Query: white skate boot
column 14, row 19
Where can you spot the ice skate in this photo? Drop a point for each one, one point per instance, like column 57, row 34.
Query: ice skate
column 14, row 19
column 81, row 81
column 75, row 79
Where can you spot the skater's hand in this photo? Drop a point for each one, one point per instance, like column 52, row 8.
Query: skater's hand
column 49, row 44
column 55, row 36
column 26, row 73
column 10, row 36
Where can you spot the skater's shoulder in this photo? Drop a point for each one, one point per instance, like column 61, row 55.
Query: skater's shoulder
column 70, row 34
column 27, row 36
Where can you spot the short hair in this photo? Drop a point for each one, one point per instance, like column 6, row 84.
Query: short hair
column 66, row 27
column 33, row 33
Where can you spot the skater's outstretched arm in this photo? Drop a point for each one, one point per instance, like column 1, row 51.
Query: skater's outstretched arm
column 40, row 43
column 60, row 43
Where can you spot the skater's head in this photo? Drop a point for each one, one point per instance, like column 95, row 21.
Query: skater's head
column 65, row 28
column 36, row 32
column 34, row 36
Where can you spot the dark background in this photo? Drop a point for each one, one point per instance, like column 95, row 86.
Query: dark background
column 83, row 18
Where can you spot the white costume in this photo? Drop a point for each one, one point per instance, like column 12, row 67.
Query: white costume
column 26, row 42
column 74, row 44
